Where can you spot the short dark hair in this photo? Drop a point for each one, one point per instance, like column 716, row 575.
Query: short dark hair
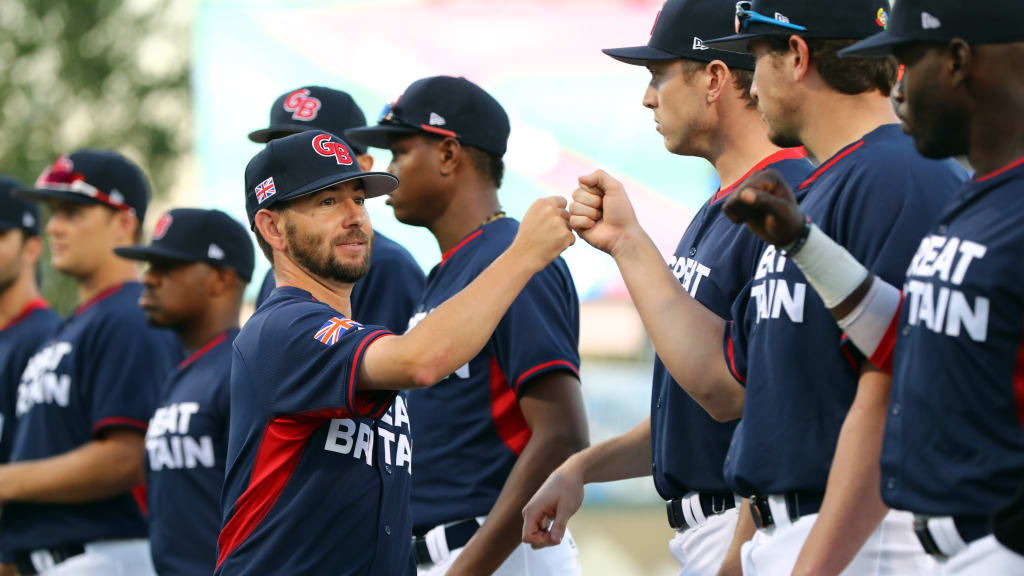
column 845, row 75
column 742, row 80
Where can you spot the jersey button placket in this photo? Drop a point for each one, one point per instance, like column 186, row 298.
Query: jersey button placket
column 387, row 529
column 693, row 251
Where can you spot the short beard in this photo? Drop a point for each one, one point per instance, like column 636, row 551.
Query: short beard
column 306, row 250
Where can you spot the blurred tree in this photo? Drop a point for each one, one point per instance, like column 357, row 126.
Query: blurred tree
column 94, row 73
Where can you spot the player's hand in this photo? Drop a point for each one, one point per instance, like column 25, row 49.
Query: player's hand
column 544, row 231
column 547, row 513
column 601, row 212
column 766, row 205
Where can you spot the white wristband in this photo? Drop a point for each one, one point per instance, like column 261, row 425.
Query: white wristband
column 868, row 322
column 829, row 268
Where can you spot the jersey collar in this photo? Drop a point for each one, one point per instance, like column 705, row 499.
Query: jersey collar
column 202, row 350
column 38, row 303
column 784, row 154
column 97, row 298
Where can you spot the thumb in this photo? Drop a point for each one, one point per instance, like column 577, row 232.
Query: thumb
column 557, row 529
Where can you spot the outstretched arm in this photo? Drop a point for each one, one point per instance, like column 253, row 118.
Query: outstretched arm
column 455, row 331
column 686, row 335
column 864, row 306
column 547, row 513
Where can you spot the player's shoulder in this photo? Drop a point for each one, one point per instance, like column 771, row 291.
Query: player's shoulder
column 793, row 165
column 889, row 153
column 289, row 317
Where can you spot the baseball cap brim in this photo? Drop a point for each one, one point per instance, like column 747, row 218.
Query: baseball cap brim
column 738, row 42
column 375, row 184
column 43, row 194
column 379, row 136
column 144, row 253
column 275, row 131
column 640, row 55
column 877, row 46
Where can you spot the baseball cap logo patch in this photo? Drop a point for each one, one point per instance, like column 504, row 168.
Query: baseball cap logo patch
column 324, row 146
column 265, row 190
column 698, row 44
column 28, row 220
column 215, row 252
column 882, row 18
column 302, row 106
column 162, row 226
column 436, row 119
column 929, row 22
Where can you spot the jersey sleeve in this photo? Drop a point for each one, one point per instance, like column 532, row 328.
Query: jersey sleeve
column 737, row 335
column 879, row 220
column 316, row 369
column 127, row 364
column 540, row 331
column 388, row 294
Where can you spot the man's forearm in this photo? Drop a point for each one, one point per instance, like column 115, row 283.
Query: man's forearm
column 853, row 504
column 686, row 335
column 619, row 458
column 501, row 533
column 94, row 471
column 451, row 334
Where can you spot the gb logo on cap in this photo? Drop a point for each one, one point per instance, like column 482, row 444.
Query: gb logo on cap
column 162, row 226
column 302, row 106
column 326, row 147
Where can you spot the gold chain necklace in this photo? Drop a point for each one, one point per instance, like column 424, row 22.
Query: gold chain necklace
column 497, row 215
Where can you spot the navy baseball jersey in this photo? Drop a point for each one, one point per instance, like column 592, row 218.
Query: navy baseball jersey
column 388, row 294
column 469, row 428
column 318, row 473
column 877, row 197
column 19, row 340
column 713, row 262
column 954, row 436
column 186, row 446
column 101, row 370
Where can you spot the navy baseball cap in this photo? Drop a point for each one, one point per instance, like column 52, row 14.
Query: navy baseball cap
column 442, row 105
column 93, row 177
column 678, row 31
column 835, row 19
column 302, row 164
column 939, row 21
column 195, row 235
column 312, row 108
column 16, row 213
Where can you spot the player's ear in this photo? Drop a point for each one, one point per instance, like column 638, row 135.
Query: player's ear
column 222, row 280
column 717, row 77
column 127, row 226
column 449, row 155
column 365, row 162
column 800, row 54
column 271, row 227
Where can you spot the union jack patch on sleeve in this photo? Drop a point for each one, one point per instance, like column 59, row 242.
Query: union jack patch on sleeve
column 332, row 330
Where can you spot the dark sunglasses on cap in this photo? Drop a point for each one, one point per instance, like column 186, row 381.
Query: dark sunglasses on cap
column 744, row 16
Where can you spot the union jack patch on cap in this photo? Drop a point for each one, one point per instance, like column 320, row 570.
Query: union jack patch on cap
column 332, row 330
column 265, row 190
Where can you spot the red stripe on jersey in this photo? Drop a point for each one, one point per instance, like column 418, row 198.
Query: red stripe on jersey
column 1006, row 168
column 845, row 347
column 508, row 418
column 373, row 403
column 35, row 304
column 119, row 423
column 784, row 154
column 139, row 493
column 202, row 350
column 284, row 441
column 563, row 363
column 453, row 250
column 1018, row 383
column 732, row 360
column 825, row 167
column 882, row 356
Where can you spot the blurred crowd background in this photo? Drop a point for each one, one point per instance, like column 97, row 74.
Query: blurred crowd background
column 176, row 85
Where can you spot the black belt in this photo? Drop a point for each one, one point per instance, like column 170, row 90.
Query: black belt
column 711, row 504
column 23, row 558
column 798, row 505
column 969, row 528
column 457, row 535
